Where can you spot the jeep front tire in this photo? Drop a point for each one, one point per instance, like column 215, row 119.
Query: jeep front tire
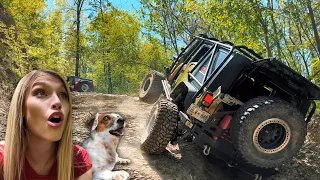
column 151, row 87
column 267, row 132
column 159, row 127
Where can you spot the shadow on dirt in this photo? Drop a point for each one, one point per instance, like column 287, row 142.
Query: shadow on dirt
column 187, row 162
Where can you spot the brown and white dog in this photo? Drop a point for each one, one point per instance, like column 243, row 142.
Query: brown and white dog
column 106, row 130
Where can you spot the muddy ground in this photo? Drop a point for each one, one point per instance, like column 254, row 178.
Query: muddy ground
column 186, row 161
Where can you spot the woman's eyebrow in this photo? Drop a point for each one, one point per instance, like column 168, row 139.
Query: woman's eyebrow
column 39, row 83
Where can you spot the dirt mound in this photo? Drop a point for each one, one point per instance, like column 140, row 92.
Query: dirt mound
column 184, row 161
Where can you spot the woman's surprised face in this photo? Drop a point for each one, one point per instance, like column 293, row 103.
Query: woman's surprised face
column 46, row 108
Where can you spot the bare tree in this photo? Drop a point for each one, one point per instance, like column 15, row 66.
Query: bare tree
column 79, row 6
column 314, row 26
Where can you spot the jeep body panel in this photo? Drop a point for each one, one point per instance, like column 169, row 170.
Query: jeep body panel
column 289, row 80
column 183, row 76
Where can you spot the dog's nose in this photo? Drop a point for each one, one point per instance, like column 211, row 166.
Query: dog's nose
column 120, row 120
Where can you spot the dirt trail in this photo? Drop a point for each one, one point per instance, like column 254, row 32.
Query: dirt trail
column 186, row 161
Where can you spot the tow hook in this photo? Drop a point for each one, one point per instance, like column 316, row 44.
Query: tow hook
column 206, row 150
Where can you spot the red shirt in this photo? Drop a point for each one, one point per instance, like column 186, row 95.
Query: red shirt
column 82, row 164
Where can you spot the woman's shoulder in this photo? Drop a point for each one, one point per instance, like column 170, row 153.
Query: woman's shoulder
column 1, row 150
column 82, row 162
column 79, row 151
column 80, row 155
column 77, row 148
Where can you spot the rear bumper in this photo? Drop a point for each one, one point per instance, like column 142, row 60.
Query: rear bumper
column 209, row 135
column 219, row 141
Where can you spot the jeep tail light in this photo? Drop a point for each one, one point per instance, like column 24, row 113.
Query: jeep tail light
column 92, row 84
column 207, row 100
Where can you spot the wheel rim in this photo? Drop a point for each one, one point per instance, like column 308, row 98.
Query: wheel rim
column 85, row 87
column 146, row 85
column 149, row 123
column 271, row 136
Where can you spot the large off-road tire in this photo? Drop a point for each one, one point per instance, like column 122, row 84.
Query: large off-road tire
column 159, row 127
column 151, row 87
column 267, row 131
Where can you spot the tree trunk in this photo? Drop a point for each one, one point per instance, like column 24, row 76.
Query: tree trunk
column 5, row 17
column 109, row 79
column 105, row 75
column 265, row 29
column 78, row 42
column 303, row 56
column 79, row 4
column 274, row 26
column 314, row 26
column 6, row 74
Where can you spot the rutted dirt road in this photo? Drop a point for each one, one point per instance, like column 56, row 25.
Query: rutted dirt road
column 186, row 161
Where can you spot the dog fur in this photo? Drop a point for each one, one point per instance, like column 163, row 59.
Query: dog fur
column 106, row 130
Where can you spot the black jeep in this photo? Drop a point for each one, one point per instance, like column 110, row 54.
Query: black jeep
column 80, row 84
column 250, row 111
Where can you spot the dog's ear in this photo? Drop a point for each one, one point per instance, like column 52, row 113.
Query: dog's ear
column 95, row 122
column 92, row 123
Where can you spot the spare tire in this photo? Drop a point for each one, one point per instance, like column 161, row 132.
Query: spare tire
column 267, row 131
column 151, row 87
column 84, row 87
column 159, row 127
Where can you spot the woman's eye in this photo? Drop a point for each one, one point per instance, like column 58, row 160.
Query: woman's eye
column 63, row 95
column 40, row 93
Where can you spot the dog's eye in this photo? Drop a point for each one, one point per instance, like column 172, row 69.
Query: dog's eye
column 106, row 118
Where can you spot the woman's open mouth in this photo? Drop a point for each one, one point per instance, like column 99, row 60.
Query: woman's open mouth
column 55, row 119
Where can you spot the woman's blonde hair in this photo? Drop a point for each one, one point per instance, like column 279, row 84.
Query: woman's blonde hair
column 16, row 140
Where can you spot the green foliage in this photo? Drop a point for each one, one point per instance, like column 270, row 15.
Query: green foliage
column 128, row 57
column 12, row 56
column 278, row 29
column 40, row 34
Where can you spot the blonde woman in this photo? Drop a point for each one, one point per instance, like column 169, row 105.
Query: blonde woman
column 38, row 141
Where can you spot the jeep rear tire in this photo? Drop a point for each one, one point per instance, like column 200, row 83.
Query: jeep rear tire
column 151, row 87
column 159, row 127
column 267, row 131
